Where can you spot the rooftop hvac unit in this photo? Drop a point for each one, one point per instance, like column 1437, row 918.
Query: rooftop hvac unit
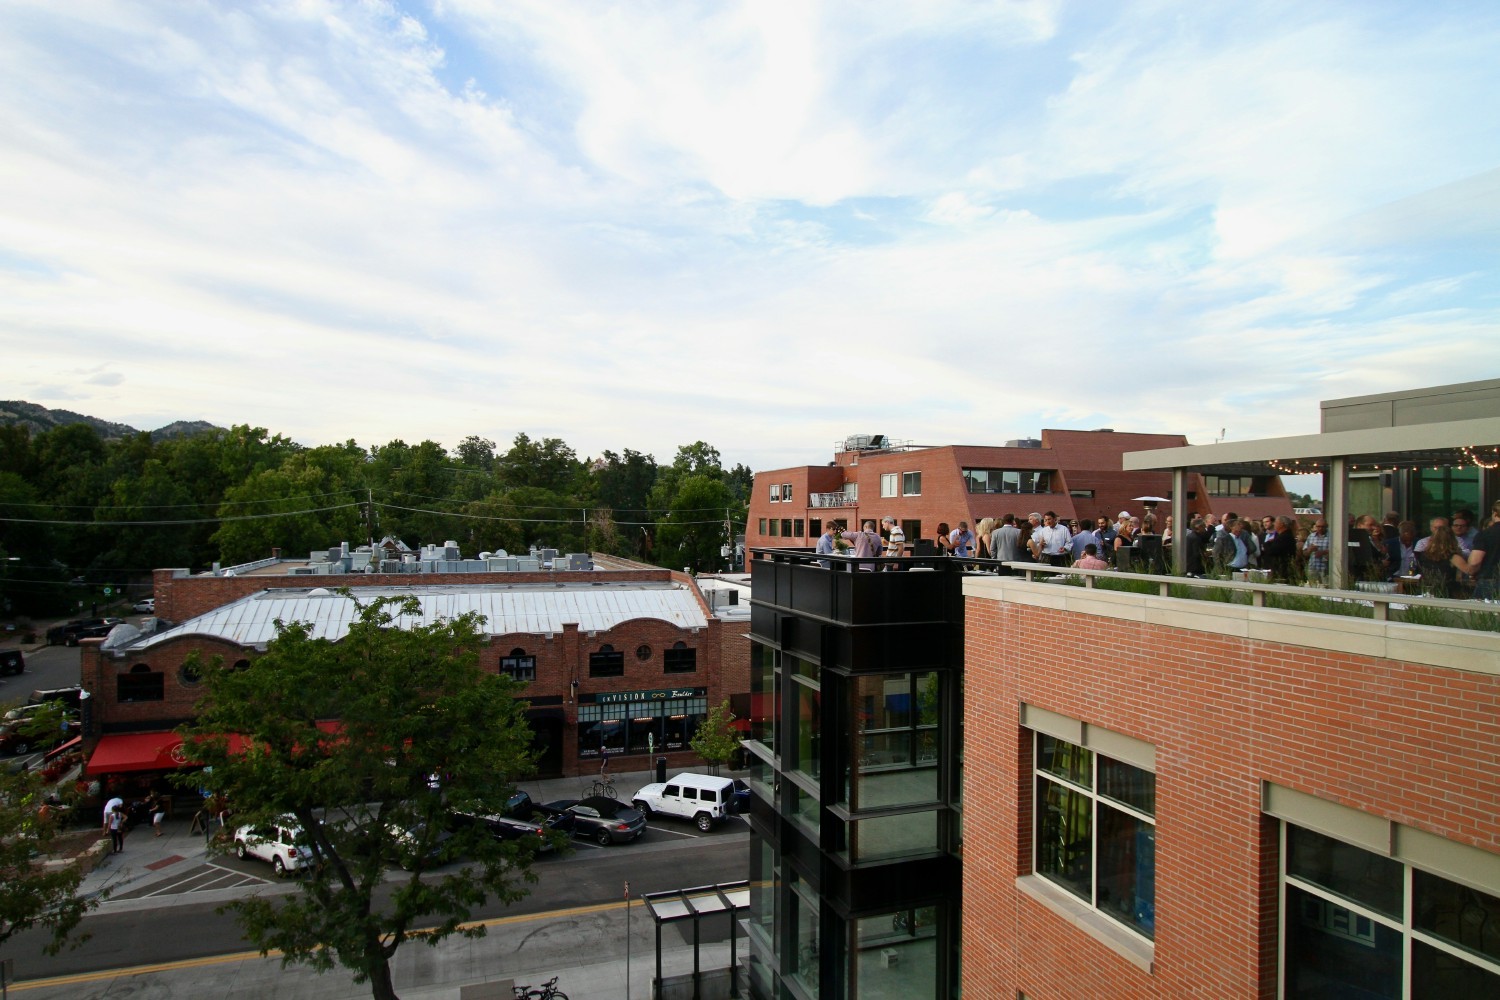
column 1024, row 443
column 303, row 571
column 528, row 565
column 575, row 561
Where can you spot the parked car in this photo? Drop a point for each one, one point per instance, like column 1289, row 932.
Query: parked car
column 702, row 798
column 71, row 698
column 70, row 633
column 604, row 821
column 406, row 840
column 521, row 819
column 12, row 661
column 276, row 843
column 741, row 800
column 146, row 607
column 15, row 740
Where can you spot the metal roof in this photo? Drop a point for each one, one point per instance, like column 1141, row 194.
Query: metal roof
column 536, row 609
column 1452, row 444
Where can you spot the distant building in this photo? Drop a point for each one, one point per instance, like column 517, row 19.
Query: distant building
column 623, row 661
column 1075, row 473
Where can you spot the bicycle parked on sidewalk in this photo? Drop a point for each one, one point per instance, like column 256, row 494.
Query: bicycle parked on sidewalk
column 548, row 991
column 605, row 786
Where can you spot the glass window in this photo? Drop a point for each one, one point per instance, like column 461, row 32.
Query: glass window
column 786, row 492
column 786, row 527
column 762, row 526
column 1096, row 831
column 851, row 492
column 775, row 527
column 889, row 482
column 797, row 527
column 814, row 527
column 895, row 739
column 805, row 937
column 1349, row 914
column 911, row 484
column 679, row 659
column 897, row 955
column 518, row 665
column 809, row 728
column 607, row 662
column 775, row 493
column 913, row 530
column 140, row 683
column 1007, row 481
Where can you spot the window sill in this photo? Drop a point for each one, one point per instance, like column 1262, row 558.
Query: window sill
column 1128, row 946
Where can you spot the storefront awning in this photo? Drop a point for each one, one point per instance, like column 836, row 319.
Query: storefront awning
column 137, row 752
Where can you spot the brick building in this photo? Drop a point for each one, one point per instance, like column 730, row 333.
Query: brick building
column 1195, row 798
column 1075, row 473
column 623, row 661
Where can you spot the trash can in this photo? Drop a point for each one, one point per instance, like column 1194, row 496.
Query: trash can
column 661, row 769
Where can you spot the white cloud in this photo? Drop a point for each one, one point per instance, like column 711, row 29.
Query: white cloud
column 763, row 225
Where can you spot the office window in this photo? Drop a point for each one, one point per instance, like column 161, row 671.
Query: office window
column 518, row 666
column 679, row 659
column 786, row 492
column 815, row 527
column 775, row 527
column 913, row 530
column 607, row 662
column 1095, row 830
column 851, row 493
column 786, row 527
column 889, row 481
column 762, row 526
column 1350, row 917
column 797, row 527
column 775, row 493
column 911, row 484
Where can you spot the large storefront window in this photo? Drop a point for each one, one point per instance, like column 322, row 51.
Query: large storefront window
column 1096, row 830
column 897, row 955
column 809, row 722
column 895, row 739
column 1357, row 923
column 639, row 726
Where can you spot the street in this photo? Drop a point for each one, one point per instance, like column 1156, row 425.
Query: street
column 173, row 918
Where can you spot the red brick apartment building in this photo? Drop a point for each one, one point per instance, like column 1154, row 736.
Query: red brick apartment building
column 1075, row 473
column 624, row 661
column 1170, row 798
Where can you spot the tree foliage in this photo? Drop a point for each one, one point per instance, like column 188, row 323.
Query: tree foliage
column 31, row 894
column 716, row 740
column 368, row 742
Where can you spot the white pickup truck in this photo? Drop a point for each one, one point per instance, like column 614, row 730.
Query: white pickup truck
column 703, row 798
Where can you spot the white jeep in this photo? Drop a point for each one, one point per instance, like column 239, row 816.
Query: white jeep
column 703, row 798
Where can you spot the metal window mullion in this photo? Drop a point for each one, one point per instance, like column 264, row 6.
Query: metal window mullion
column 1406, row 928
column 1093, row 833
column 1393, row 923
column 1448, row 948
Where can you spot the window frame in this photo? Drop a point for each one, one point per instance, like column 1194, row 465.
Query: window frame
column 890, row 484
column 910, row 479
column 680, row 658
column 518, row 665
column 1095, row 798
column 607, row 661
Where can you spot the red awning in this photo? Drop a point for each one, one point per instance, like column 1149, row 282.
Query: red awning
column 155, row 751
column 137, row 752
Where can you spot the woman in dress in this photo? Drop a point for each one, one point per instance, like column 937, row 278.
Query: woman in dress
column 944, row 543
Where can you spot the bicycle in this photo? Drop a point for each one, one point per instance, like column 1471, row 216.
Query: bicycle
column 548, row 991
column 605, row 787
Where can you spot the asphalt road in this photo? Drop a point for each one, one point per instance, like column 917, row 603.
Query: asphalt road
column 48, row 667
column 671, row 856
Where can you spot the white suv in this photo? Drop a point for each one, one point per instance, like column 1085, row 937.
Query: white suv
column 276, row 843
column 703, row 798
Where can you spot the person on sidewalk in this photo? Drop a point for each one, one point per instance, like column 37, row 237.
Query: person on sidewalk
column 114, row 825
column 158, row 813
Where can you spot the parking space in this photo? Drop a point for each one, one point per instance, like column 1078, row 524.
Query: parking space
column 201, row 876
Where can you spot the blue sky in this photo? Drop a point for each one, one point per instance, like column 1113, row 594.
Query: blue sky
column 764, row 225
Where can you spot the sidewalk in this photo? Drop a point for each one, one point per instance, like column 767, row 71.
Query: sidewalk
column 585, row 947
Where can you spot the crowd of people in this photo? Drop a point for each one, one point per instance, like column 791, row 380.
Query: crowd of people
column 1458, row 557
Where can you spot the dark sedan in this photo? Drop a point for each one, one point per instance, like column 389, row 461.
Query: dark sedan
column 604, row 821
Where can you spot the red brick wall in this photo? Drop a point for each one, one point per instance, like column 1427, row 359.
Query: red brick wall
column 1411, row 743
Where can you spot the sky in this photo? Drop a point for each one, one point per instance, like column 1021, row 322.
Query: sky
column 763, row 225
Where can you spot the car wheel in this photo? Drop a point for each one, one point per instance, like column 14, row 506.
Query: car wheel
column 642, row 808
column 279, row 867
column 239, row 849
column 19, row 747
column 602, row 838
column 705, row 822
column 70, row 641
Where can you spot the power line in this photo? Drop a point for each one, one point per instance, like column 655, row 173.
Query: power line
column 196, row 520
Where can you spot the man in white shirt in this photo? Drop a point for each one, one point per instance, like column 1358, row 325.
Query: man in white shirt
column 1051, row 543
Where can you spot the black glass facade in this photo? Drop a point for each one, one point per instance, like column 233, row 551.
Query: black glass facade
column 856, row 738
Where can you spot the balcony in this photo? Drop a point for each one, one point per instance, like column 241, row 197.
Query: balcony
column 831, row 500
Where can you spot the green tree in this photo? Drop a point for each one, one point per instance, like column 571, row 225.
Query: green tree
column 716, row 740
column 369, row 742
column 692, row 533
column 31, row 894
column 298, row 507
column 547, row 464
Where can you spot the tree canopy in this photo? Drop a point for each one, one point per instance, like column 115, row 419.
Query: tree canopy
column 31, row 894
column 368, row 743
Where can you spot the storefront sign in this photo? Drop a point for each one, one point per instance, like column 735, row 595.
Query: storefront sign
column 667, row 694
